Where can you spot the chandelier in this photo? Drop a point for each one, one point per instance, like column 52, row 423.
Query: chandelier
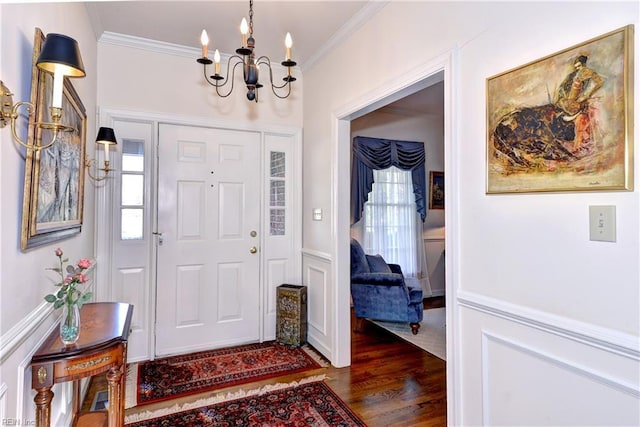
column 245, row 55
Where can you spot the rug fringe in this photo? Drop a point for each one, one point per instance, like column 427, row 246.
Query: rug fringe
column 218, row 398
column 131, row 387
column 315, row 355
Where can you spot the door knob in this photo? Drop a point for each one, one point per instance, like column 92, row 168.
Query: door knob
column 253, row 250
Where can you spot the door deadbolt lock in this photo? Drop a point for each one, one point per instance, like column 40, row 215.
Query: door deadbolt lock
column 253, row 250
column 253, row 233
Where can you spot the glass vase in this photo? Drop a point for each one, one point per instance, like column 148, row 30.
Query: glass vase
column 70, row 324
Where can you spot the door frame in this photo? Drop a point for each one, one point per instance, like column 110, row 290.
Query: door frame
column 411, row 82
column 105, row 194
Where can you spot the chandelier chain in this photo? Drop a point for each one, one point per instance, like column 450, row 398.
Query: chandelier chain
column 250, row 18
column 245, row 58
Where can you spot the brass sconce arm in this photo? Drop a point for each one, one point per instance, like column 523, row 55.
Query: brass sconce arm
column 9, row 114
column 59, row 55
column 90, row 163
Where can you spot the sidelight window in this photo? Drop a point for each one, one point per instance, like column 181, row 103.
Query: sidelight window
column 132, row 190
column 277, row 194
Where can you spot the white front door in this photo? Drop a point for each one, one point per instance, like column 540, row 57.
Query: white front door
column 208, row 287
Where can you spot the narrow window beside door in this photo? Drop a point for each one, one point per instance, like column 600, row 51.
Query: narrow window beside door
column 277, row 196
column 132, row 190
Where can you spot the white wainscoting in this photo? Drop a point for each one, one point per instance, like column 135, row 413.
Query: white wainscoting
column 3, row 401
column 536, row 361
column 434, row 252
column 316, row 275
column 17, row 347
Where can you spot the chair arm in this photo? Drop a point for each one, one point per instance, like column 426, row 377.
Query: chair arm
column 388, row 279
column 395, row 268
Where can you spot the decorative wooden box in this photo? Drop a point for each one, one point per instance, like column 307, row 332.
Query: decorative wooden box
column 291, row 315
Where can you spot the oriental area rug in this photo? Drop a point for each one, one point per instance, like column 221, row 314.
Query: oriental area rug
column 307, row 403
column 178, row 376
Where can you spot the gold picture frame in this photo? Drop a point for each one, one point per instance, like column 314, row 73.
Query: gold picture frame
column 53, row 198
column 564, row 122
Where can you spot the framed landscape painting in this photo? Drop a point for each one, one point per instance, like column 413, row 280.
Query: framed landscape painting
column 54, row 177
column 564, row 122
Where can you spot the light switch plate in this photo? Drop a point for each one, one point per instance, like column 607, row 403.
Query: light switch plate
column 317, row 214
column 602, row 223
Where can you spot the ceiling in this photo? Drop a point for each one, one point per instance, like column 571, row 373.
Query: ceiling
column 311, row 23
column 315, row 26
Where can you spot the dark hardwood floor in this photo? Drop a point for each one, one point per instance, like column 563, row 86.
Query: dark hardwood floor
column 389, row 383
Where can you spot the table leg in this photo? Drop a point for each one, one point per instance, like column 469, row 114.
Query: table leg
column 76, row 398
column 43, row 399
column 116, row 414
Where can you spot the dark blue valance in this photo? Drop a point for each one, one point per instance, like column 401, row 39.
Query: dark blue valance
column 376, row 153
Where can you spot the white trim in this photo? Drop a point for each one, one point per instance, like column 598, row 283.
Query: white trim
column 344, row 32
column 165, row 48
column 3, row 401
column 567, row 365
column 442, row 67
column 109, row 115
column 322, row 256
column 322, row 328
column 613, row 341
column 18, row 334
column 22, row 330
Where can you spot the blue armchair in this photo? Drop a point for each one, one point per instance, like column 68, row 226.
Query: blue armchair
column 379, row 292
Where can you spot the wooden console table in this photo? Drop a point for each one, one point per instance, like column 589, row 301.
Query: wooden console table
column 102, row 347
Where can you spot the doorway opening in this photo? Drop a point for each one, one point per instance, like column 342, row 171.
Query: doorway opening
column 440, row 71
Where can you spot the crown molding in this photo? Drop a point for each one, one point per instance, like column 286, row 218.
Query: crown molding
column 149, row 45
column 357, row 21
column 166, row 48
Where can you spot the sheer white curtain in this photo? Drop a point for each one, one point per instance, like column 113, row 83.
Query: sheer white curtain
column 392, row 226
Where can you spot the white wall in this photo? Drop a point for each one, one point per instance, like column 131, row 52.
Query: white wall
column 24, row 317
column 543, row 324
column 135, row 74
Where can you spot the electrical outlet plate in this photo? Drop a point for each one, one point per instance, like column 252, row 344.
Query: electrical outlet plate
column 602, row 223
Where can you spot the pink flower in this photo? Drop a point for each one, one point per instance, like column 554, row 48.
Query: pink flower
column 84, row 264
column 80, row 278
column 68, row 279
column 58, row 252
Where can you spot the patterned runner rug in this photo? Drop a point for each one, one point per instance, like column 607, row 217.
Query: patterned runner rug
column 308, row 403
column 172, row 377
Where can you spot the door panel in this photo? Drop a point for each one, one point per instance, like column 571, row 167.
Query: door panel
column 126, row 267
column 209, row 204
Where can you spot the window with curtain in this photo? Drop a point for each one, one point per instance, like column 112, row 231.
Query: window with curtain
column 391, row 225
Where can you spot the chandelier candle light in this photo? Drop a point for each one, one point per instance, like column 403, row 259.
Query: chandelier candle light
column 245, row 55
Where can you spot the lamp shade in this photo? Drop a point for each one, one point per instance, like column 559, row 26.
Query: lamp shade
column 106, row 136
column 60, row 52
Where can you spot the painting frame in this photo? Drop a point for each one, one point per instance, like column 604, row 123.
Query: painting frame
column 53, row 194
column 436, row 190
column 564, row 122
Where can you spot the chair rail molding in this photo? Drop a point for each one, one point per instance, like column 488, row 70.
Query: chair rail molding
column 22, row 330
column 322, row 256
column 599, row 337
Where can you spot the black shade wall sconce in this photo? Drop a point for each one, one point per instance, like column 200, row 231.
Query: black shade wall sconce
column 107, row 138
column 60, row 56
